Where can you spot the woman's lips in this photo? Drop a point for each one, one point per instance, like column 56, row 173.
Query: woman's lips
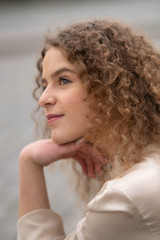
column 53, row 117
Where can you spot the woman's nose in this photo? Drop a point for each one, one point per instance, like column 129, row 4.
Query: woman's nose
column 47, row 98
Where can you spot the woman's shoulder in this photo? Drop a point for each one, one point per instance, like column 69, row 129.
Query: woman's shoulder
column 141, row 180
column 137, row 191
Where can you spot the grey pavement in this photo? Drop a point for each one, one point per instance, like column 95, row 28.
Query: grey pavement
column 22, row 29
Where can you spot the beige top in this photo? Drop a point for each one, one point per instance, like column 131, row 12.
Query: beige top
column 126, row 208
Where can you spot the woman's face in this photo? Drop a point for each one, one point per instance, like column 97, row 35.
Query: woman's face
column 63, row 98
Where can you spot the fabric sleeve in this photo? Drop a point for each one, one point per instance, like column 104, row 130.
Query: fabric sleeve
column 40, row 224
column 110, row 216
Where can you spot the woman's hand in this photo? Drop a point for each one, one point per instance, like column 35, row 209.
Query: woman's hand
column 33, row 193
column 45, row 152
column 90, row 159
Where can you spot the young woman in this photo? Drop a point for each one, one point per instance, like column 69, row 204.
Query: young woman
column 100, row 91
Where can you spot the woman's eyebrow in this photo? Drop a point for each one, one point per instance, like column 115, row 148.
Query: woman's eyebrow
column 61, row 70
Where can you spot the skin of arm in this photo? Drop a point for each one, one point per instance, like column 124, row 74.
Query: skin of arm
column 35, row 156
column 33, row 192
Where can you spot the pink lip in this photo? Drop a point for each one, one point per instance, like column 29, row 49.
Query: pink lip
column 53, row 117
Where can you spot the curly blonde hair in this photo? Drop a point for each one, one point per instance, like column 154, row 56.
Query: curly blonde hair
column 121, row 72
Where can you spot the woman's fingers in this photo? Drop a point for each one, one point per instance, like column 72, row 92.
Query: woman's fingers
column 82, row 162
column 91, row 169
column 67, row 150
column 95, row 153
column 45, row 151
column 90, row 159
column 93, row 158
column 98, row 168
column 87, row 165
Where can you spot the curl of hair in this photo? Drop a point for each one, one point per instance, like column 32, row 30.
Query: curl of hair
column 121, row 72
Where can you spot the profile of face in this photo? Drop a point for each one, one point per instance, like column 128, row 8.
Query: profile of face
column 62, row 99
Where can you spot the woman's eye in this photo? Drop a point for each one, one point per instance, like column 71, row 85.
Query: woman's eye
column 43, row 88
column 43, row 85
column 63, row 81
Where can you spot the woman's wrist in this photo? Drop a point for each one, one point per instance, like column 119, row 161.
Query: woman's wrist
column 26, row 157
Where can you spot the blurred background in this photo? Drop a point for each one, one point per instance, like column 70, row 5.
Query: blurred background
column 23, row 25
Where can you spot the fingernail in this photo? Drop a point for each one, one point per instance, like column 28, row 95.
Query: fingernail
column 79, row 141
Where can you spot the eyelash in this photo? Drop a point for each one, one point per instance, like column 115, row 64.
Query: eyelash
column 43, row 88
column 60, row 80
